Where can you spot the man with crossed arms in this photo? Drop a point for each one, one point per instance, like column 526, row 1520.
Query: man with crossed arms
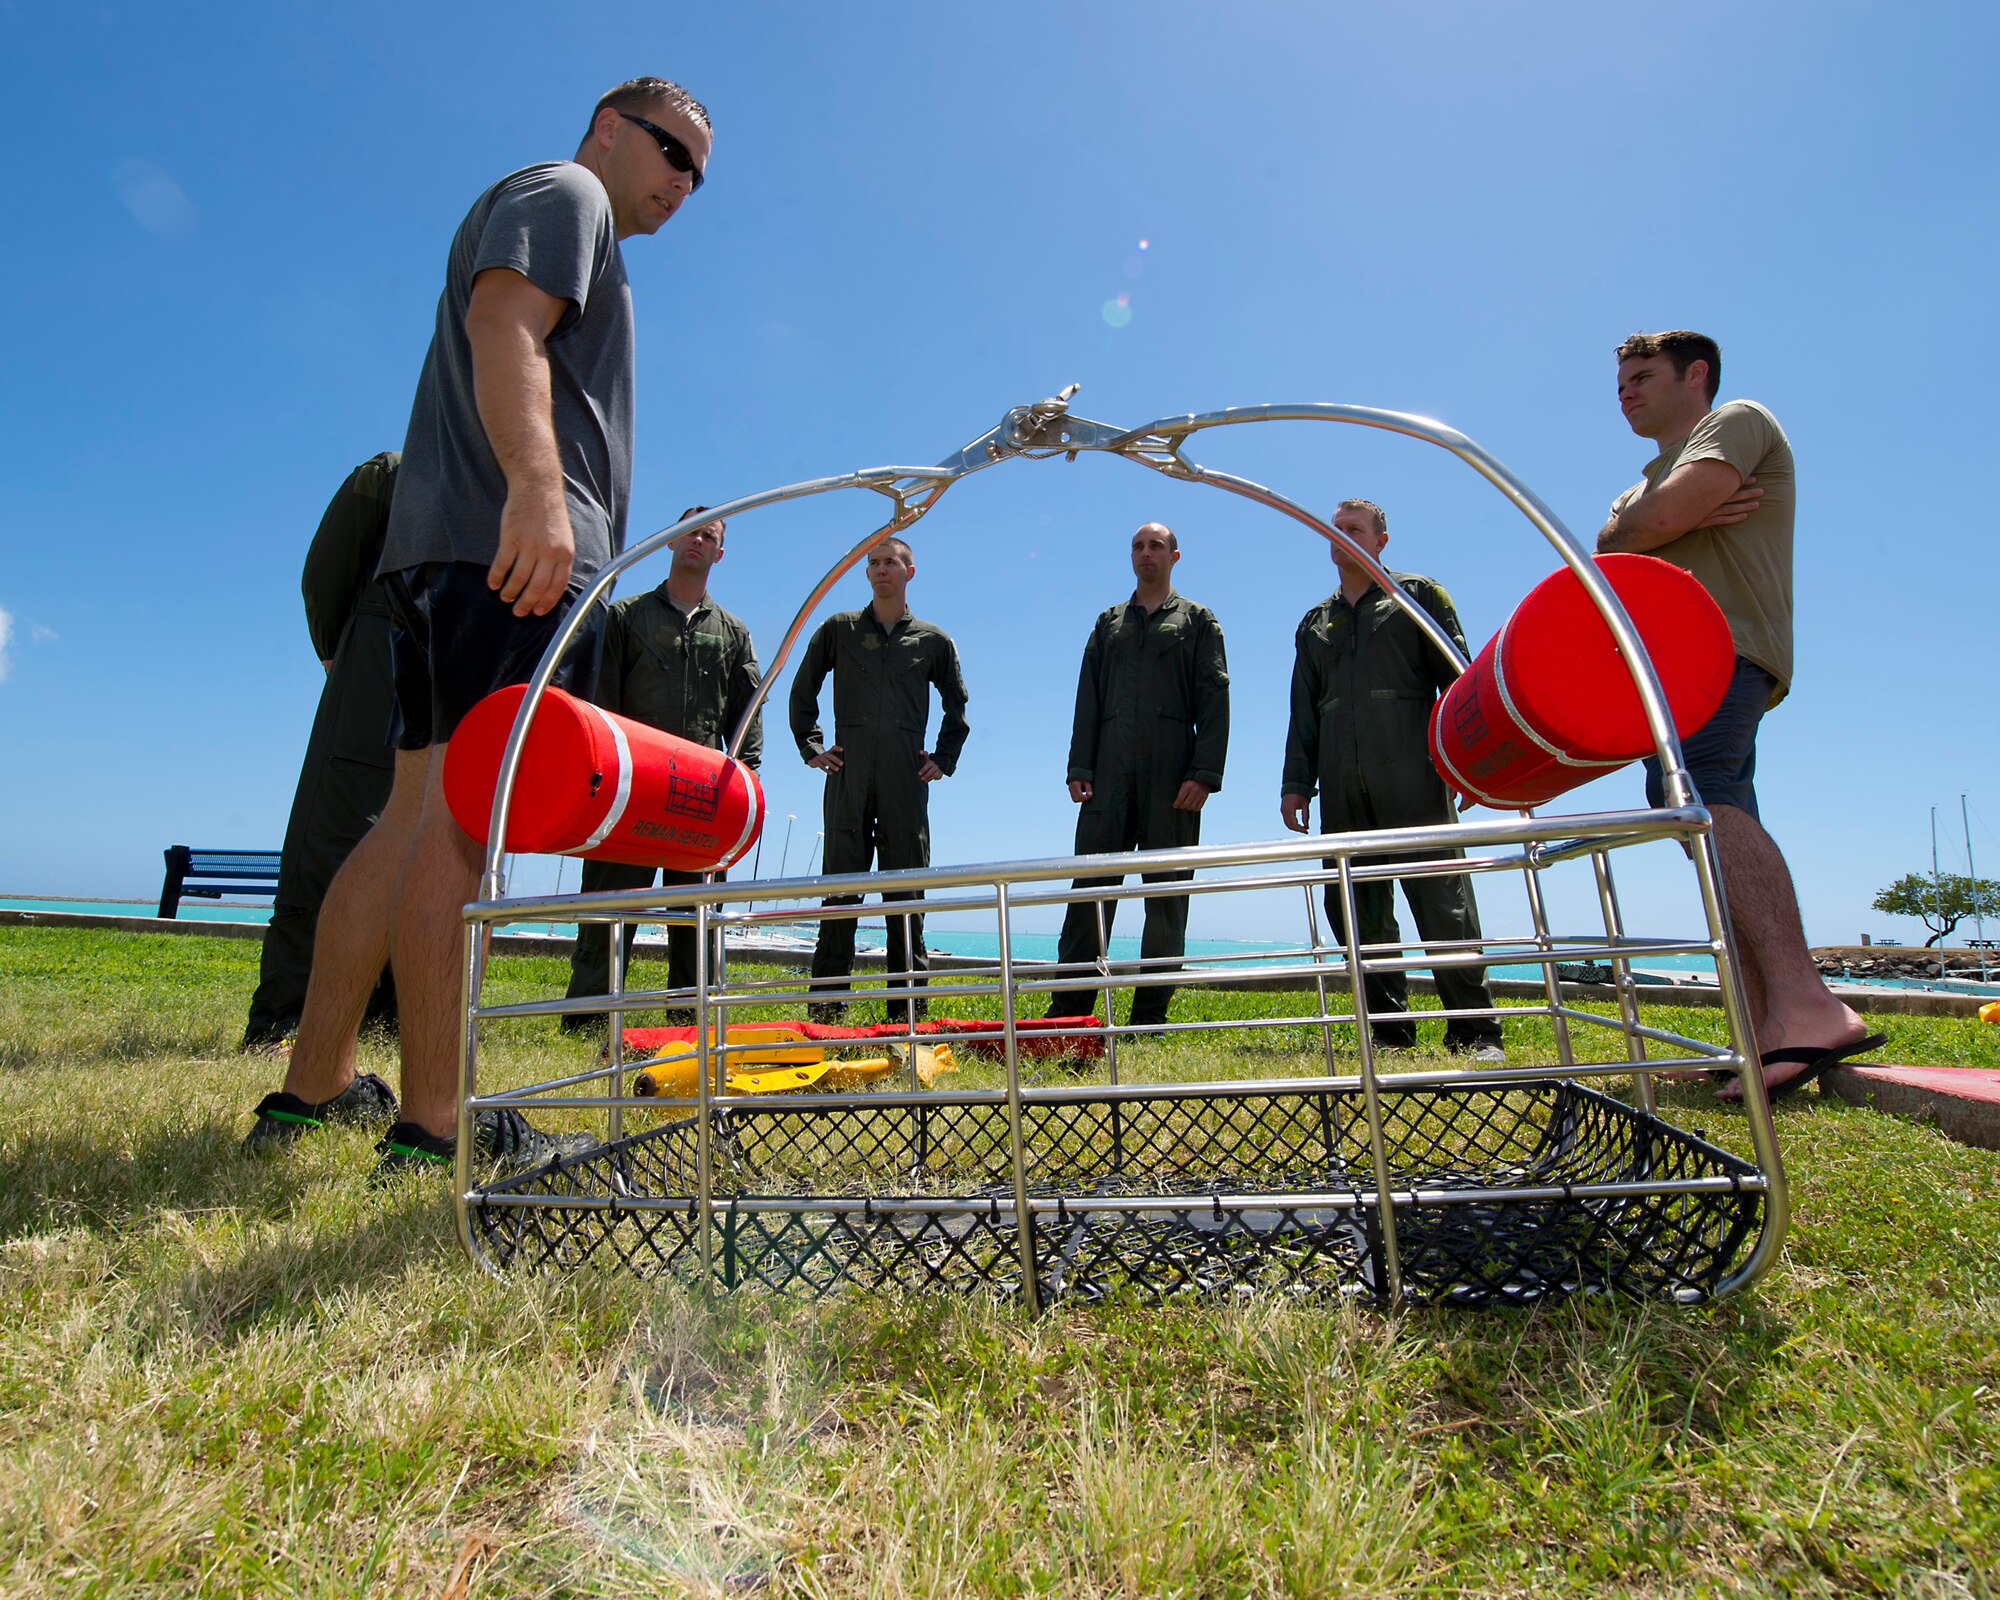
column 1719, row 500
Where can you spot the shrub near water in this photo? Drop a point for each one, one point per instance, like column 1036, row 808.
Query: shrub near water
column 225, row 1376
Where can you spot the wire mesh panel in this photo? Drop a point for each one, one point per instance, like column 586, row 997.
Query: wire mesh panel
column 1264, row 1145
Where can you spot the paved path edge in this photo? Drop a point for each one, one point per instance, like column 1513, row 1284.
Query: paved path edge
column 1967, row 1112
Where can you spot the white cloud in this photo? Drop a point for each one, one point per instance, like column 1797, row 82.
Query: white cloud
column 9, row 638
column 154, row 199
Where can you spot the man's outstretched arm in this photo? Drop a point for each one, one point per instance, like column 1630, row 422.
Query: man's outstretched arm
column 1701, row 494
column 507, row 325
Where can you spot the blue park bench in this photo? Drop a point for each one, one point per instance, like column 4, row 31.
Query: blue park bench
column 211, row 874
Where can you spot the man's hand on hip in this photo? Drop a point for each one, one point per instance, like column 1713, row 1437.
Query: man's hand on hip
column 829, row 760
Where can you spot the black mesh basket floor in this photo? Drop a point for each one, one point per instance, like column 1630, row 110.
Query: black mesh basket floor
column 1202, row 1190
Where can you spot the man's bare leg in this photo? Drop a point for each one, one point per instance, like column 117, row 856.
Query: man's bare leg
column 426, row 940
column 352, row 940
column 1796, row 1009
column 1755, row 992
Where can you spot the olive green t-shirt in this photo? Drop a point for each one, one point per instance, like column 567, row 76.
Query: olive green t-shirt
column 1746, row 566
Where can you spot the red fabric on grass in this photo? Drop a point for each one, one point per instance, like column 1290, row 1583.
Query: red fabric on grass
column 1036, row 1038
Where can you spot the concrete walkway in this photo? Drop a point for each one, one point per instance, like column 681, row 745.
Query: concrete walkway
column 1963, row 1103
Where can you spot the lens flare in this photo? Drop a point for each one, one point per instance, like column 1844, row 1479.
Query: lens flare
column 1118, row 312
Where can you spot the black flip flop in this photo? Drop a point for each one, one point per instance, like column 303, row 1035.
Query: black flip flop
column 1817, row 1060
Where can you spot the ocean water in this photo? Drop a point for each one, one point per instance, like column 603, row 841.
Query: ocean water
column 191, row 910
column 942, row 938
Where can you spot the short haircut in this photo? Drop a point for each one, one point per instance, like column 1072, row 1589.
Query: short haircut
column 1173, row 539
column 695, row 510
column 637, row 94
column 1682, row 347
column 1381, row 517
column 901, row 543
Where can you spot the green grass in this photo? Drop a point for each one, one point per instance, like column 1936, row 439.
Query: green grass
column 224, row 1376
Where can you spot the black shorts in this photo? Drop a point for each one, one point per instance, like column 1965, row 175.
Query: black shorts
column 456, row 641
column 1721, row 754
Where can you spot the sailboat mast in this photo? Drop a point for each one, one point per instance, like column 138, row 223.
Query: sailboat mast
column 1972, row 875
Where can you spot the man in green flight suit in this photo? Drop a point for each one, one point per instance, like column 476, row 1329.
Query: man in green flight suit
column 878, row 771
column 1146, row 749
column 351, row 753
column 1362, row 685
column 675, row 660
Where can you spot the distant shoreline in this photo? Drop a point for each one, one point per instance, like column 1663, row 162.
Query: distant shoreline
column 1819, row 952
column 73, row 899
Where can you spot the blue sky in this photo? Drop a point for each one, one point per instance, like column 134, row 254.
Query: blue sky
column 229, row 236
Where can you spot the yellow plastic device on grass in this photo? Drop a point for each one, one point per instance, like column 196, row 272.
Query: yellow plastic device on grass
column 773, row 1069
column 771, row 1044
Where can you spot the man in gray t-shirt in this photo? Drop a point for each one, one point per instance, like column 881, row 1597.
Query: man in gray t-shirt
column 552, row 225
column 516, row 471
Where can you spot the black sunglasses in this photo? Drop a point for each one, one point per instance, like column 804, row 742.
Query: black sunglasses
column 678, row 155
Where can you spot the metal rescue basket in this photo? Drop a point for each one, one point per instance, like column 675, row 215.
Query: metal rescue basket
column 1269, row 1149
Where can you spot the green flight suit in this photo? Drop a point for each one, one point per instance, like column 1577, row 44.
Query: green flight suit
column 350, row 756
column 1152, row 712
column 877, row 808
column 693, row 675
column 1363, row 681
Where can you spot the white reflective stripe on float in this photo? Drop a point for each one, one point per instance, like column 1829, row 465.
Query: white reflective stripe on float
column 1507, row 705
column 624, row 791
column 1526, row 729
column 753, row 816
column 1457, row 780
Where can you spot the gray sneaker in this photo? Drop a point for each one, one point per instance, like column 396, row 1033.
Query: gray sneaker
column 503, row 1137
column 284, row 1119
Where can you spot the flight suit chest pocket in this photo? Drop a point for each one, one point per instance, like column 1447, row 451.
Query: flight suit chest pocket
column 704, row 656
column 666, row 650
column 1128, row 642
column 862, row 659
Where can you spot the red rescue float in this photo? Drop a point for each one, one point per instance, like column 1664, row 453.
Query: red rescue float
column 1549, row 704
column 593, row 783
